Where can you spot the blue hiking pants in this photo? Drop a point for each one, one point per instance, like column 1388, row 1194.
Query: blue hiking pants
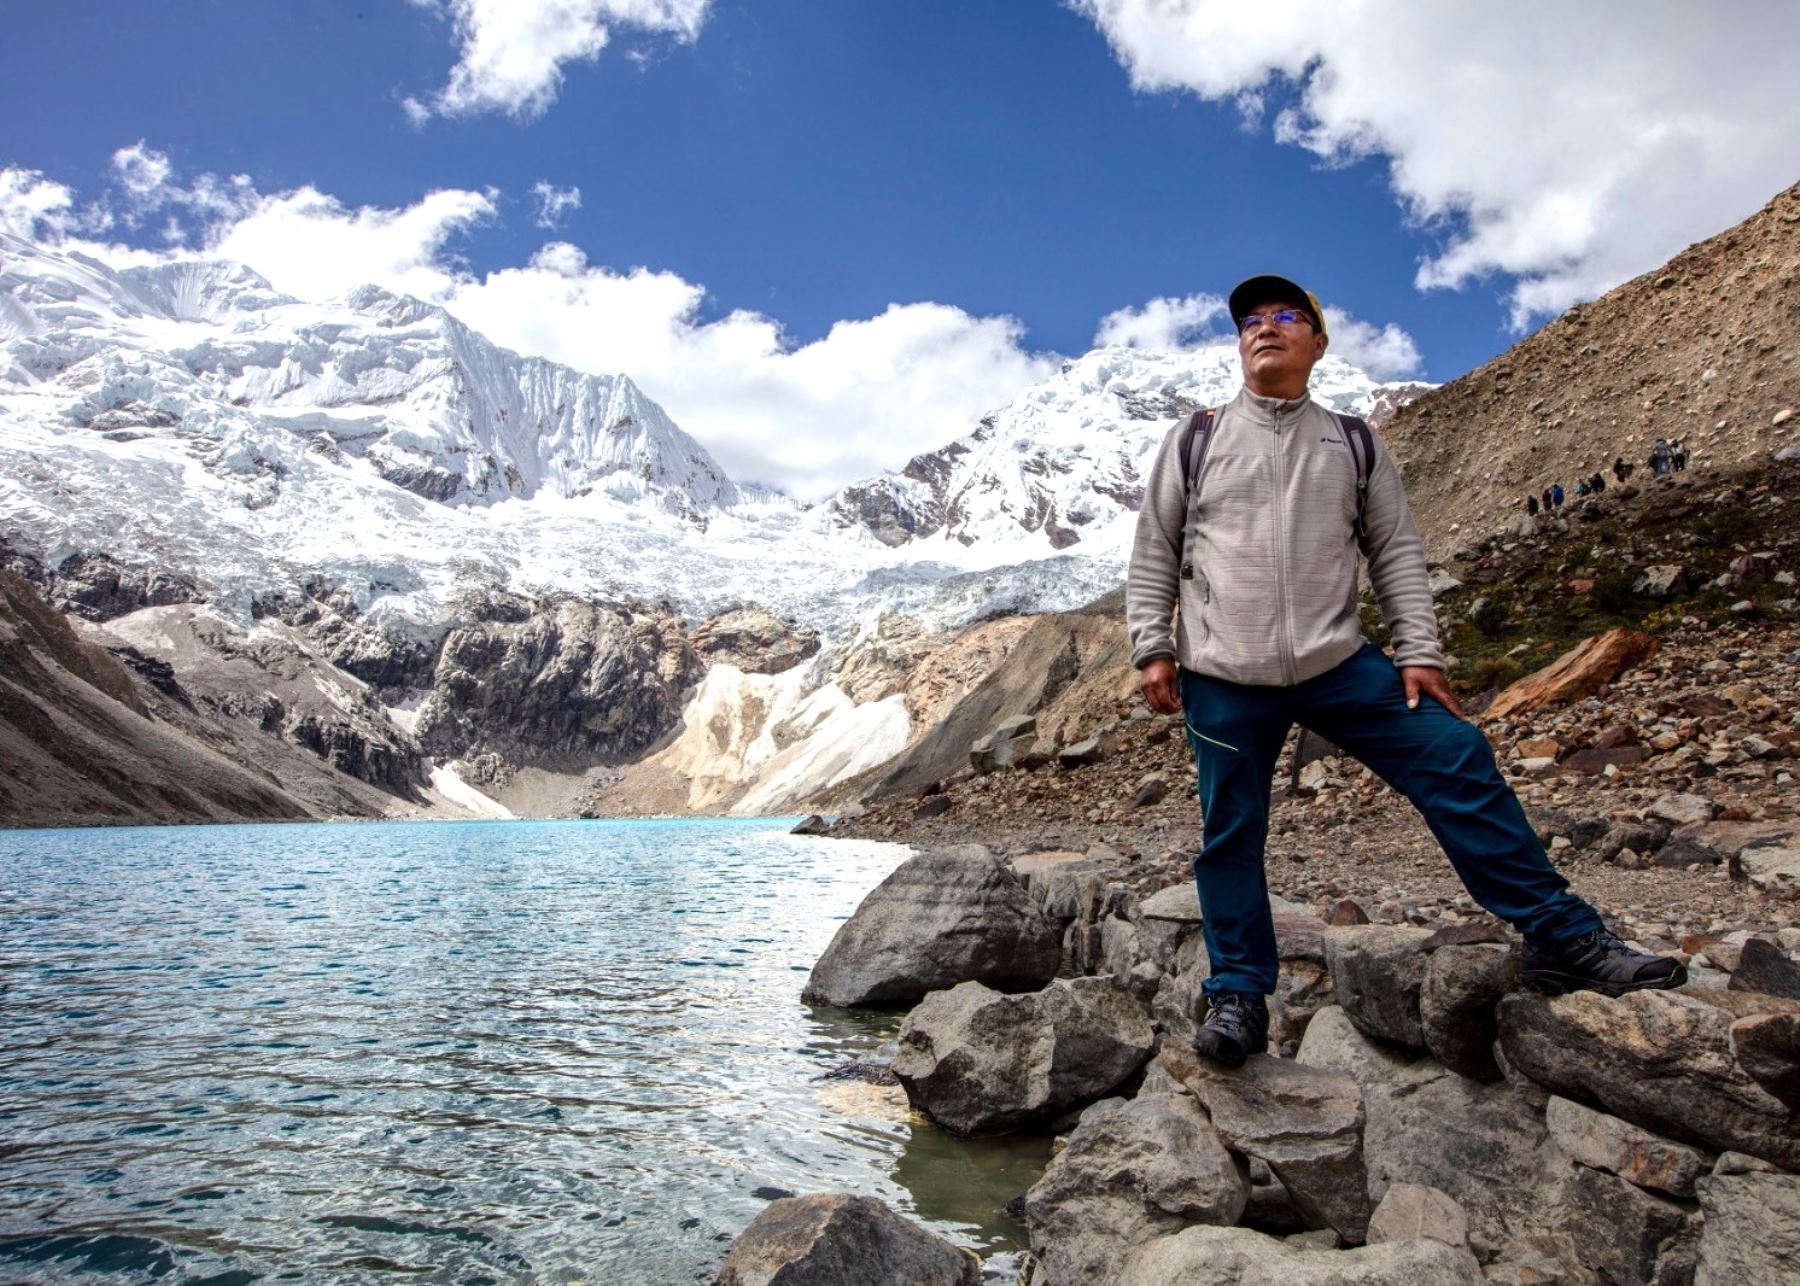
column 1439, row 762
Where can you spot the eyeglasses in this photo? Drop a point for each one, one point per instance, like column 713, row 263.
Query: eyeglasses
column 1281, row 317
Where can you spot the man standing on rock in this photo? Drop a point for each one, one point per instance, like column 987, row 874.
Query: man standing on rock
column 1258, row 552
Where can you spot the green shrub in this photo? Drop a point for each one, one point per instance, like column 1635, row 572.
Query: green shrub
column 1612, row 590
column 1491, row 614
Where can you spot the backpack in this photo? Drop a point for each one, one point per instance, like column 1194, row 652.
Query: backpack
column 1196, row 438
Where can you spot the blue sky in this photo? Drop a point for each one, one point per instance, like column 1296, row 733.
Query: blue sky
column 813, row 162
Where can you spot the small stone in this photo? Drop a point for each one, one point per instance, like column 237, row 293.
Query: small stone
column 1762, row 967
column 1411, row 1210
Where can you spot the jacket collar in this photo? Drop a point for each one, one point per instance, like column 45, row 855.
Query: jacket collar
column 1264, row 410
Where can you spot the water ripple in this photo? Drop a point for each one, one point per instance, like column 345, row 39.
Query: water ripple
column 462, row 1053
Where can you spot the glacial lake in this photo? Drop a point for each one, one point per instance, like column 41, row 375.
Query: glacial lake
column 482, row 1052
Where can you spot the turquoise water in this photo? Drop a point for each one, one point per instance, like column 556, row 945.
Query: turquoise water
column 486, row 1052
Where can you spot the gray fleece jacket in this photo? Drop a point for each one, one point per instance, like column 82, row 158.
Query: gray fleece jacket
column 1272, row 599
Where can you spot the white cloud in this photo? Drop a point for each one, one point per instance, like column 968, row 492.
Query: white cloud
column 553, row 203
column 1164, row 324
column 1385, row 352
column 514, row 51
column 1567, row 147
column 142, row 172
column 33, row 206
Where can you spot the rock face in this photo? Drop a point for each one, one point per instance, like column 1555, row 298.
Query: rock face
column 832, row 1240
column 1131, row 1171
column 1752, row 1229
column 1305, row 1123
column 979, row 1062
column 532, row 681
column 329, row 619
column 97, row 588
column 1580, row 672
column 943, row 917
column 1241, row 1257
column 1662, row 1059
column 755, row 640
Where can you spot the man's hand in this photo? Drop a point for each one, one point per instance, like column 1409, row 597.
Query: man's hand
column 1157, row 680
column 1429, row 680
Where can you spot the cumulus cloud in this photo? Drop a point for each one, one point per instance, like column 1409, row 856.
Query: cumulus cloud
column 553, row 203
column 1563, row 147
column 1167, row 325
column 808, row 417
column 1164, row 324
column 514, row 51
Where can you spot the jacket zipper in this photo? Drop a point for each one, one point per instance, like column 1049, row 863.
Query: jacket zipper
column 1283, row 616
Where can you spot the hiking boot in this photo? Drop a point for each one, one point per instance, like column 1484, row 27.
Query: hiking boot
column 1596, row 961
column 1236, row 1027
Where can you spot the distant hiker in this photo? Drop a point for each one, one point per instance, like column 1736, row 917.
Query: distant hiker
column 1659, row 458
column 1531, row 505
column 1597, row 483
column 1621, row 470
column 1581, row 487
column 1556, row 494
column 1241, row 605
column 1678, row 456
column 1549, row 500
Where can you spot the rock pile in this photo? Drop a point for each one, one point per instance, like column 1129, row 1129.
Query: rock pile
column 1425, row 1122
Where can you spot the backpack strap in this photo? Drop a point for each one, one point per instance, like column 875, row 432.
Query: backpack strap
column 1362, row 450
column 1196, row 437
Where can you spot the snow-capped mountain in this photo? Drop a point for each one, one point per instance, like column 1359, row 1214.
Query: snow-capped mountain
column 1067, row 458
column 187, row 418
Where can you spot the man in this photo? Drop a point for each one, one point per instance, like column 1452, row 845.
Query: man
column 1621, row 470
column 1267, row 634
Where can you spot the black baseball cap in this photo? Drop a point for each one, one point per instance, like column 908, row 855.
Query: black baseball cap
column 1261, row 289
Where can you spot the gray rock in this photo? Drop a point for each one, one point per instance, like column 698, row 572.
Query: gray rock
column 1483, row 1145
column 943, row 917
column 1176, row 1006
column 1752, row 1230
column 1462, row 988
column 1633, row 1153
column 1130, row 1172
column 1661, row 1059
column 1083, row 753
column 1768, row 1049
column 1069, row 889
column 1682, row 810
column 1660, row 582
column 1333, row 1043
column 1621, row 1232
column 978, row 1062
column 1153, row 789
column 1410, row 1210
column 1774, row 869
column 1241, row 1257
column 812, row 824
column 837, row 1239
column 1377, row 972
column 1762, row 967
column 1304, row 1122
column 1005, row 745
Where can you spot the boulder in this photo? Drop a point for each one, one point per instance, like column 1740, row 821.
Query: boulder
column 1661, row 581
column 979, row 1062
column 1082, row 753
column 1332, row 1042
column 1661, row 1059
column 1580, row 672
column 834, row 1239
column 1068, row 886
column 1752, row 1229
column 1763, row 967
column 943, row 917
column 812, row 824
column 1410, row 1210
column 1622, row 1233
column 1483, row 1145
column 1005, row 745
column 1377, row 972
column 1768, row 1049
column 1462, row 988
column 1132, row 1171
column 1166, row 922
column 1304, row 1122
column 1242, row 1257
column 1636, row 1155
column 1682, row 810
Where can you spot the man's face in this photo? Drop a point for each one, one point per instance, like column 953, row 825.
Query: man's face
column 1278, row 355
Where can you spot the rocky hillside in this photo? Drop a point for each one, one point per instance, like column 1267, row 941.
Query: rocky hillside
column 1700, row 349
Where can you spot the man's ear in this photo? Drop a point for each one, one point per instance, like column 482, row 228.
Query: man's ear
column 1321, row 341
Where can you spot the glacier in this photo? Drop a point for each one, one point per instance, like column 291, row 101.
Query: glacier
column 188, row 417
